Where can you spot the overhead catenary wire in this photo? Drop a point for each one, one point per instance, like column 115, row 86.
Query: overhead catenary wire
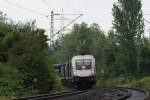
column 41, row 14
column 68, row 14
column 49, row 6
column 26, row 9
column 67, row 25
column 63, row 18
column 147, row 21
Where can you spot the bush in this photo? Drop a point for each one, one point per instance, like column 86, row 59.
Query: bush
column 57, row 85
column 115, row 82
column 25, row 66
column 143, row 83
column 10, row 81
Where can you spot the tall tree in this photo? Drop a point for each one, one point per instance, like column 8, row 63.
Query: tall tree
column 78, row 41
column 99, row 45
column 83, row 36
column 25, row 64
column 129, row 25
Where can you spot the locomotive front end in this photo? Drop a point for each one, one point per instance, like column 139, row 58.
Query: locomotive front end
column 83, row 68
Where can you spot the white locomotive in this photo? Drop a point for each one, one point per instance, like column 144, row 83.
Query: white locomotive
column 81, row 71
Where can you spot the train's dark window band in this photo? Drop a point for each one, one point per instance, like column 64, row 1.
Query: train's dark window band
column 82, row 64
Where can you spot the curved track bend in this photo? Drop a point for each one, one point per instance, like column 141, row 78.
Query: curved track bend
column 137, row 94
column 94, row 94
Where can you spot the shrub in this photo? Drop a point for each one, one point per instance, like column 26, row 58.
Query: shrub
column 115, row 82
column 143, row 83
column 10, row 81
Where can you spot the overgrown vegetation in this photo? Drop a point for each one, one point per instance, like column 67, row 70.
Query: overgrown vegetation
column 25, row 61
column 122, row 54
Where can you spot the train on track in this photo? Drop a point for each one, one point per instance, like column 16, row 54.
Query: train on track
column 80, row 71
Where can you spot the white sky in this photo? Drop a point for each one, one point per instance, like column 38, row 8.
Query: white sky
column 98, row 11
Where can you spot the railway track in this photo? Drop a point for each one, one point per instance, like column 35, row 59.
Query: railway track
column 94, row 94
column 137, row 94
column 54, row 96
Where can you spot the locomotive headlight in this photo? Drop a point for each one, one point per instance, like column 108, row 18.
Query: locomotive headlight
column 93, row 71
column 74, row 73
column 83, row 67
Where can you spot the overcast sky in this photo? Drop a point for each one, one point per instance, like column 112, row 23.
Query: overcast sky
column 98, row 11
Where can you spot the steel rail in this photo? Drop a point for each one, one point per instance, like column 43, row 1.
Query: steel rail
column 122, row 93
column 134, row 89
column 52, row 96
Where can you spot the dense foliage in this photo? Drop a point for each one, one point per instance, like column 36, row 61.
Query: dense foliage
column 25, row 61
column 121, row 54
column 129, row 27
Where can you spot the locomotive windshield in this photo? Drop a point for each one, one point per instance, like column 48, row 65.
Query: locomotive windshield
column 82, row 64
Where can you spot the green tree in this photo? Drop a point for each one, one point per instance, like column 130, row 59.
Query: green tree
column 129, row 25
column 98, row 47
column 145, row 56
column 11, row 81
column 25, row 62
column 78, row 41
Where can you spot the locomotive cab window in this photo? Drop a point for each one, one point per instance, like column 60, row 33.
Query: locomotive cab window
column 88, row 63
column 82, row 64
